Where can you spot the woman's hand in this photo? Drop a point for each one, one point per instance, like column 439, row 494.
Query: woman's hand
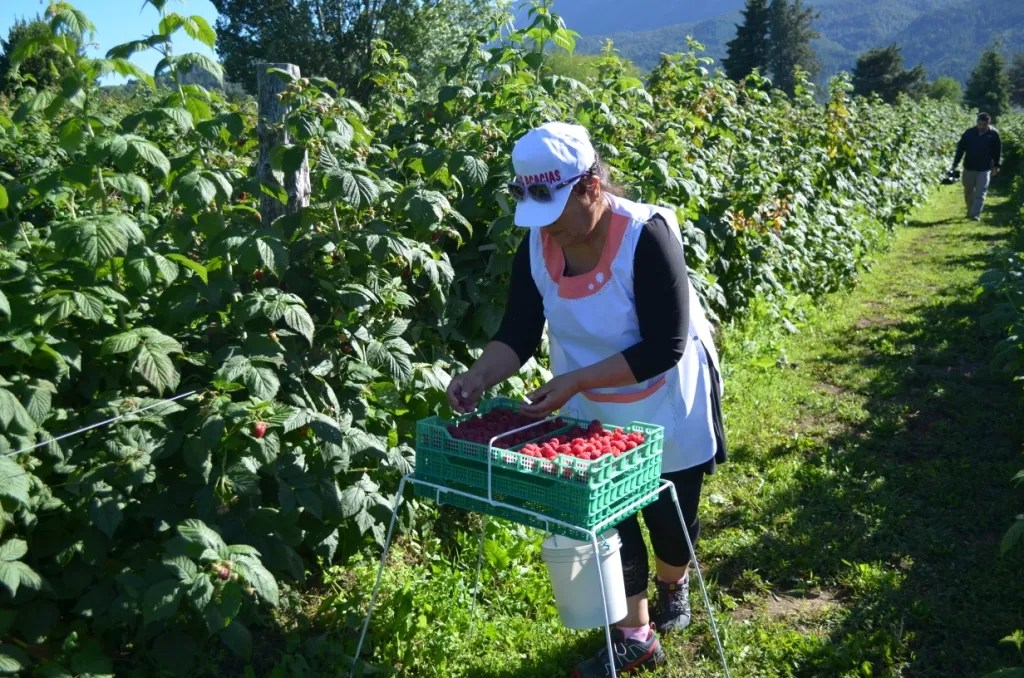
column 551, row 396
column 464, row 391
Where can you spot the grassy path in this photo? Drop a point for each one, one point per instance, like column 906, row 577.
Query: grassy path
column 856, row 530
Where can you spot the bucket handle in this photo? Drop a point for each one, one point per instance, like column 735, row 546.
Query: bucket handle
column 603, row 545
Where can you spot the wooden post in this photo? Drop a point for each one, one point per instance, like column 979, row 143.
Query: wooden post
column 272, row 113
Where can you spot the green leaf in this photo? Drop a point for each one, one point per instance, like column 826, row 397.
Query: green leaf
column 238, row 639
column 147, row 152
column 198, row 29
column 183, row 567
column 273, row 309
column 224, row 187
column 433, row 376
column 196, row 61
column 472, row 171
column 13, row 549
column 34, row 105
column 88, row 306
column 197, row 533
column 40, row 401
column 4, row 200
column 72, row 134
column 199, row 108
column 356, row 497
column 106, row 514
column 131, row 184
column 156, row 367
column 262, row 382
column 123, row 67
column 193, row 266
column 138, row 270
column 427, row 208
column 5, row 305
column 66, row 19
column 273, row 255
column 159, row 341
column 28, row 47
column 113, row 147
column 127, row 49
column 396, row 363
column 15, row 574
column 326, row 429
column 13, row 661
column 252, row 571
column 171, row 22
column 161, row 601
column 12, row 411
column 179, row 116
column 401, row 459
column 200, row 591
column 1013, row 535
column 299, row 320
column 195, row 190
column 357, row 190
column 233, row 368
column 97, row 239
column 121, row 343
column 167, row 268
column 9, row 576
column 14, row 481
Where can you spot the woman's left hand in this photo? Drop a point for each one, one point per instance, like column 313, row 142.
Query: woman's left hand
column 550, row 396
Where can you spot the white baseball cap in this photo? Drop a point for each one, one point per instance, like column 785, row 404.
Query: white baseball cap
column 552, row 157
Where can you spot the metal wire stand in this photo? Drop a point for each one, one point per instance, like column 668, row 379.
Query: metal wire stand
column 590, row 533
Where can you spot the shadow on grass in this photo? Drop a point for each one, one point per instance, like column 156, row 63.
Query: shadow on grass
column 902, row 516
column 558, row 661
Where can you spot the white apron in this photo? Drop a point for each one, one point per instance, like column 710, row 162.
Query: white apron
column 593, row 316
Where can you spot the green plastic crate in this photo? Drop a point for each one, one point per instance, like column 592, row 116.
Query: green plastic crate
column 577, row 492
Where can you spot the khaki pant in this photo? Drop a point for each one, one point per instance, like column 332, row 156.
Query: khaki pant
column 975, row 187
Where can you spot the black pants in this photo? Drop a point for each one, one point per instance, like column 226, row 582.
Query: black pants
column 663, row 526
column 661, row 518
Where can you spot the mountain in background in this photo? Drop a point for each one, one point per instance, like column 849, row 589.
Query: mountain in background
column 946, row 36
column 602, row 17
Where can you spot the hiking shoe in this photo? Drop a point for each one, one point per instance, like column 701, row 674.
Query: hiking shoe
column 630, row 655
column 671, row 610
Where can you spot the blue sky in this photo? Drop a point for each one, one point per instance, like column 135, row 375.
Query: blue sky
column 119, row 21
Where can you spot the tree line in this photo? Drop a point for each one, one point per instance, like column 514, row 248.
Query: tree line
column 335, row 38
column 774, row 38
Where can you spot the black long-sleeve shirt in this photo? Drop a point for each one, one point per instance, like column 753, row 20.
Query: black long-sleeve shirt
column 660, row 288
column 981, row 148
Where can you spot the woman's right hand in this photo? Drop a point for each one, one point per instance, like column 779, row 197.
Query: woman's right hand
column 465, row 390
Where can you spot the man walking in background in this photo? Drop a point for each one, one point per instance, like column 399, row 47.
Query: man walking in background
column 981, row 146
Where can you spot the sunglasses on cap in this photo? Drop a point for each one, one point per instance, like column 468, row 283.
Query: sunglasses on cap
column 540, row 191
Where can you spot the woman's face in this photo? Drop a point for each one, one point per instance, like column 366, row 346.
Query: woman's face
column 580, row 216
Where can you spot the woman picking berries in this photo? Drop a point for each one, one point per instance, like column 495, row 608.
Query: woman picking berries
column 628, row 342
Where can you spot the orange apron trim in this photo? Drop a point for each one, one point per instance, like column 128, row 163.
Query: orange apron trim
column 591, row 282
column 623, row 398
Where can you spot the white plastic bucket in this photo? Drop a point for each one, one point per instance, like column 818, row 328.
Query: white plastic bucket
column 574, row 578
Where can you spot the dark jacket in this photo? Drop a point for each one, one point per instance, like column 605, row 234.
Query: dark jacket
column 982, row 150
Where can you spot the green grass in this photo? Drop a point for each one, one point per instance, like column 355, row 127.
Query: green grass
column 854, row 532
column 856, row 529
